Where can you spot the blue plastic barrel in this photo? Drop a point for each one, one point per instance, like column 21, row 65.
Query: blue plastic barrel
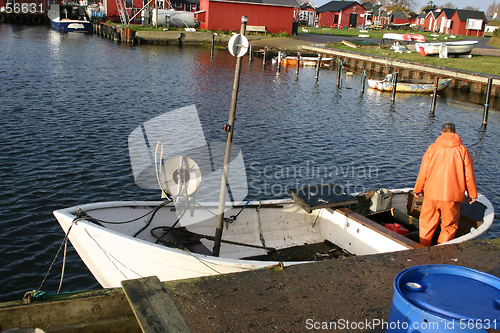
column 444, row 298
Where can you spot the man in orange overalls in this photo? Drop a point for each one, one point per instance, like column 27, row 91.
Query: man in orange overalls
column 446, row 172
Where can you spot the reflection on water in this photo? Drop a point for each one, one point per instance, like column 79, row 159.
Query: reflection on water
column 70, row 101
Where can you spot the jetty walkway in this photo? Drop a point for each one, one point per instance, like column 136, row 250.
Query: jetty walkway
column 353, row 294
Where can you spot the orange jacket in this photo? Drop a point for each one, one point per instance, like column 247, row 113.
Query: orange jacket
column 447, row 170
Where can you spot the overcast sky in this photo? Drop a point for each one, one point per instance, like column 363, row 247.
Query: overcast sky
column 482, row 4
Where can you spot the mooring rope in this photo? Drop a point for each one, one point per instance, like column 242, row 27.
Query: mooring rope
column 63, row 244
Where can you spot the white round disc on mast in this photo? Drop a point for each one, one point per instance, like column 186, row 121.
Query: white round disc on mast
column 238, row 45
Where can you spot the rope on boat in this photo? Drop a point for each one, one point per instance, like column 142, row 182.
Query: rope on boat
column 158, row 168
column 34, row 294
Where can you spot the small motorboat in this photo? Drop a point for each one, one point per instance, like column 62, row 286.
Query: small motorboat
column 410, row 86
column 69, row 18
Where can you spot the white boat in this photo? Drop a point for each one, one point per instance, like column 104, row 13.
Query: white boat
column 453, row 48
column 408, row 37
column 127, row 240
column 69, row 18
column 410, row 86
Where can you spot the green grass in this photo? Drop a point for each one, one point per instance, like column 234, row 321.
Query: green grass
column 478, row 63
column 351, row 32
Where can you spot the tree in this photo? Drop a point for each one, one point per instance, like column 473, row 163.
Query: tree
column 430, row 6
column 494, row 8
column 404, row 6
column 448, row 5
column 472, row 8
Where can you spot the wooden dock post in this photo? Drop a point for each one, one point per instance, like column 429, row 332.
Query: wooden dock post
column 363, row 80
column 213, row 44
column 487, row 103
column 250, row 51
column 318, row 65
column 279, row 60
column 298, row 64
column 434, row 96
column 339, row 76
column 264, row 57
column 154, row 309
column 394, row 86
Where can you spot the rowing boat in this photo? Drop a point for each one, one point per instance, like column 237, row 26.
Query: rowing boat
column 126, row 240
column 411, row 86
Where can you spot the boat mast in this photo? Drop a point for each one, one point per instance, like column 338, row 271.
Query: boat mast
column 227, row 152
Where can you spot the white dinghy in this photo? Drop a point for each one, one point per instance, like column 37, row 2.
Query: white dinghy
column 126, row 240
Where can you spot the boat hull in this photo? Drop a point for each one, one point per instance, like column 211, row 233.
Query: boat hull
column 116, row 252
column 453, row 48
column 69, row 18
column 305, row 61
column 409, row 87
column 72, row 26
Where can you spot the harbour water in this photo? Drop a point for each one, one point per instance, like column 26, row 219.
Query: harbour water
column 69, row 102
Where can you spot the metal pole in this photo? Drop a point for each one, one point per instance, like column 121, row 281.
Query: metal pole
column 363, row 80
column 487, row 103
column 434, row 96
column 298, row 64
column 318, row 65
column 394, row 86
column 339, row 75
column 227, row 152
column 250, row 50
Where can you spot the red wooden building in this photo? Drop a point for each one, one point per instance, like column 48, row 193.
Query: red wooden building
column 399, row 18
column 443, row 20
column 111, row 10
column 430, row 21
column 307, row 14
column 340, row 14
column 468, row 23
column 225, row 15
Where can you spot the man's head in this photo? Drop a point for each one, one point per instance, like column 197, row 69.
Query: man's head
column 448, row 128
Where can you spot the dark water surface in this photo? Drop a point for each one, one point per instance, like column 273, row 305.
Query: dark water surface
column 69, row 102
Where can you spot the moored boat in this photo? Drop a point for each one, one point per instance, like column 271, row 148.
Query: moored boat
column 69, row 18
column 305, row 61
column 411, row 86
column 408, row 37
column 127, row 240
column 460, row 47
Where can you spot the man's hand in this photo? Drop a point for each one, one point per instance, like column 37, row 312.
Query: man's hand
column 471, row 200
column 419, row 194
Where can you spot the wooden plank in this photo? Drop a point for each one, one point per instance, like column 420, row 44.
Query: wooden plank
column 154, row 309
column 90, row 307
column 380, row 229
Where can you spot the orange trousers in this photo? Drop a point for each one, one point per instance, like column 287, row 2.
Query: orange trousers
column 432, row 212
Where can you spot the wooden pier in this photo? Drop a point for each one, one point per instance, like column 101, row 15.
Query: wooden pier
column 463, row 81
column 356, row 290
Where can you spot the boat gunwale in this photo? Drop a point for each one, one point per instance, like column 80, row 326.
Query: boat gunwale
column 276, row 203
